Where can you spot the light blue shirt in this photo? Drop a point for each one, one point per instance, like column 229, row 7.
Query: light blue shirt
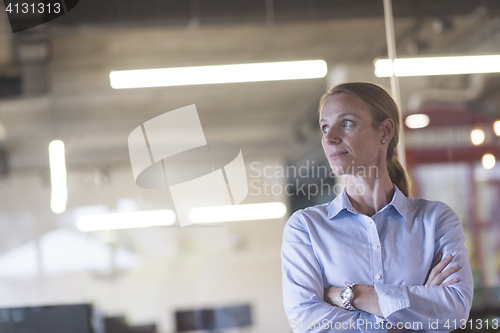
column 333, row 245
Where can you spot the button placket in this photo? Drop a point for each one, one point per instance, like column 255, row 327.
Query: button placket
column 375, row 253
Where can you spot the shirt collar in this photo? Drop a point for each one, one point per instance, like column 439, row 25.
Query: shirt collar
column 399, row 202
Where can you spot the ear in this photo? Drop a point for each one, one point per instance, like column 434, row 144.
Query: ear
column 387, row 129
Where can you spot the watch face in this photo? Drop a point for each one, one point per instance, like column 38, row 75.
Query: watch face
column 347, row 293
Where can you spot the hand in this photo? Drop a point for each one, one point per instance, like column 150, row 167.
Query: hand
column 437, row 275
column 332, row 296
column 365, row 298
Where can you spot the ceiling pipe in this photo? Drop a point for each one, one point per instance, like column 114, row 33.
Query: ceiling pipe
column 270, row 27
column 475, row 90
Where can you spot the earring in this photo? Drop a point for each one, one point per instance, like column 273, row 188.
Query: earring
column 384, row 141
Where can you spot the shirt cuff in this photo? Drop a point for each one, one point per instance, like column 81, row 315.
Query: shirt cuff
column 391, row 298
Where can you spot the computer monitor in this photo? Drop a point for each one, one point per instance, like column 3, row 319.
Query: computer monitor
column 74, row 318
column 143, row 329
column 115, row 325
column 213, row 319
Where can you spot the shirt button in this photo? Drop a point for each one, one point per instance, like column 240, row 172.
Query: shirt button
column 377, row 277
column 375, row 247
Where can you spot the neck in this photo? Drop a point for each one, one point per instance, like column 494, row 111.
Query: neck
column 369, row 194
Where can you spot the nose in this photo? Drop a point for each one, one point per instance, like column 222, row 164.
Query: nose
column 332, row 137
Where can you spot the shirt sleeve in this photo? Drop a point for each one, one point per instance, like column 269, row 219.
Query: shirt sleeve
column 434, row 307
column 303, row 292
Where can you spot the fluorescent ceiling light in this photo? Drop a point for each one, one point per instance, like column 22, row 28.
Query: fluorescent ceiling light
column 488, row 161
column 58, row 178
column 477, row 136
column 260, row 211
column 417, row 121
column 496, row 127
column 438, row 66
column 129, row 220
column 182, row 76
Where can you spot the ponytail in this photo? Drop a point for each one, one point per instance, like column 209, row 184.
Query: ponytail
column 398, row 175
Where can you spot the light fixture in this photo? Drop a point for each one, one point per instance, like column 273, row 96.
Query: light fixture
column 182, row 76
column 58, row 178
column 496, row 127
column 438, row 66
column 128, row 220
column 417, row 121
column 477, row 136
column 488, row 161
column 247, row 212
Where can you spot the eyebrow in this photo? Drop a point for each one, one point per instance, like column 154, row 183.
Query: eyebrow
column 341, row 115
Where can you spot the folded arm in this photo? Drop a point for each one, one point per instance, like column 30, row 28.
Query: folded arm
column 445, row 299
column 435, row 306
column 303, row 290
column 366, row 298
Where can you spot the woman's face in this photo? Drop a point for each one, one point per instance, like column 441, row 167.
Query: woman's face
column 350, row 141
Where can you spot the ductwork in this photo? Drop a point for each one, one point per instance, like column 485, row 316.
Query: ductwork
column 23, row 65
column 10, row 77
column 476, row 89
column 33, row 59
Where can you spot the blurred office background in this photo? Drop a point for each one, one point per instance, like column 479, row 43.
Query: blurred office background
column 55, row 85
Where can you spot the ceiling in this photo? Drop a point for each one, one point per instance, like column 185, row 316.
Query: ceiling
column 54, row 84
column 65, row 67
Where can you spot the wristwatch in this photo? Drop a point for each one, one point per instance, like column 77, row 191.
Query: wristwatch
column 346, row 296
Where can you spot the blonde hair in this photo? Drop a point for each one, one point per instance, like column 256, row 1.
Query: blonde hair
column 382, row 106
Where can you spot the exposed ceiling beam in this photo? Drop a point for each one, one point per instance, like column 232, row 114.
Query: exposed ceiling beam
column 177, row 12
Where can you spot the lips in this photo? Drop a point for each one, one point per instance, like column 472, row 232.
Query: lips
column 336, row 155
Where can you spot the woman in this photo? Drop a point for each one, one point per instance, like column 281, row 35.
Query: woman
column 371, row 259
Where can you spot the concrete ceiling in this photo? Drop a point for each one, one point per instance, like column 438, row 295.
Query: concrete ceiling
column 79, row 106
column 65, row 65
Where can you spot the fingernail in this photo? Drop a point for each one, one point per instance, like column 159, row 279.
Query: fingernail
column 455, row 279
column 449, row 256
column 456, row 266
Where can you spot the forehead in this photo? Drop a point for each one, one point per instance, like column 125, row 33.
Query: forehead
column 344, row 103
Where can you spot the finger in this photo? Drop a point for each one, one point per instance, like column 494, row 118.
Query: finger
column 442, row 264
column 434, row 270
column 440, row 277
column 437, row 259
column 449, row 283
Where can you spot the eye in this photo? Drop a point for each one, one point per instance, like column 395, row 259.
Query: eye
column 347, row 123
column 324, row 129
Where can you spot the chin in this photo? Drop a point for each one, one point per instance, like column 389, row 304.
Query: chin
column 338, row 170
